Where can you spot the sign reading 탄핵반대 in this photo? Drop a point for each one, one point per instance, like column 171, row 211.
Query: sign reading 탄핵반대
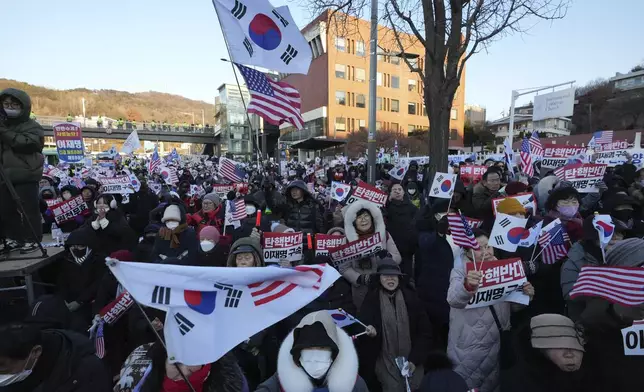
column 324, row 242
column 282, row 246
column 69, row 141
column 356, row 250
column 502, row 282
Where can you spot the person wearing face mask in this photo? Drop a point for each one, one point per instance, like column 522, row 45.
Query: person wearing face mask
column 175, row 237
column 563, row 203
column 49, row 360
column 110, row 226
column 211, row 254
column 550, row 351
column 413, row 193
column 147, row 369
column 400, row 217
column 143, row 251
column 301, row 211
column 140, row 205
column 627, row 215
column 398, row 327
column 21, row 144
column 253, row 207
column 316, row 356
column 212, row 213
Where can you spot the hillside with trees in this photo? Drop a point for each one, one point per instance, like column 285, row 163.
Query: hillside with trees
column 146, row 106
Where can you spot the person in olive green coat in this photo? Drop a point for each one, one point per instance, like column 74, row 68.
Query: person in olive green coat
column 21, row 144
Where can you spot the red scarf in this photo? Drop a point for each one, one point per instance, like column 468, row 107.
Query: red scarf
column 197, row 380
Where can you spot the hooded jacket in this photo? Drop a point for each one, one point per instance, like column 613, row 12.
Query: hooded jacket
column 342, row 375
column 257, row 248
column 21, row 142
column 401, row 215
column 578, row 257
column 304, row 216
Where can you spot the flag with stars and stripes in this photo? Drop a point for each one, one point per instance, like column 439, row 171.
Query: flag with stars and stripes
column 275, row 102
column 155, row 162
column 601, row 137
column 553, row 240
column 99, row 340
column 526, row 158
column 536, row 149
column 462, row 234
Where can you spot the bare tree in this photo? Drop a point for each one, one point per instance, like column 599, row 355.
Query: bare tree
column 451, row 32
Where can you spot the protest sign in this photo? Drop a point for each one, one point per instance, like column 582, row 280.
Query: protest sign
column 526, row 199
column 502, row 282
column 356, row 250
column 116, row 185
column 320, row 173
column 52, row 202
column 222, row 190
column 633, row 337
column 443, row 185
column 472, row 174
column 113, row 311
column 619, row 157
column 324, row 242
column 583, row 176
column 369, row 193
column 69, row 209
column 615, row 145
column 474, row 223
column 282, row 246
column 69, row 141
column 555, row 156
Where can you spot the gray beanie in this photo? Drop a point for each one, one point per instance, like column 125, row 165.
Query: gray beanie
column 213, row 197
column 626, row 253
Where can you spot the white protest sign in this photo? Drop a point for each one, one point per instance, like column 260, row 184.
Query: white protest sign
column 282, row 246
column 634, row 338
column 369, row 193
column 583, row 177
column 502, row 282
column 324, row 242
column 618, row 157
column 116, row 185
column 555, row 156
column 356, row 250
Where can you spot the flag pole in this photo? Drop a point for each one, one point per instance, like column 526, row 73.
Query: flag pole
column 548, row 243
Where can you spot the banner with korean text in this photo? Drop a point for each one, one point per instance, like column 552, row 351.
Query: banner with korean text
column 582, row 176
column 116, row 185
column 356, row 250
column 222, row 190
column 502, row 282
column 282, row 247
column 324, row 242
column 555, row 156
column 617, row 157
column 113, row 311
column 69, row 209
column 472, row 174
column 69, row 141
column 369, row 193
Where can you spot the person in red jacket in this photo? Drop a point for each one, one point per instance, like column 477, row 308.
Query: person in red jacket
column 212, row 213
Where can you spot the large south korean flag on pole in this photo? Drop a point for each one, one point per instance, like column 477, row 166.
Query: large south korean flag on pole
column 210, row 310
column 258, row 34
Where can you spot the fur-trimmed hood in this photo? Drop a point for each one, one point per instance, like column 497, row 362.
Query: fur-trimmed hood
column 352, row 212
column 342, row 375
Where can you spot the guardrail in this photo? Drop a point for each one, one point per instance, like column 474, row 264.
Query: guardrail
column 127, row 125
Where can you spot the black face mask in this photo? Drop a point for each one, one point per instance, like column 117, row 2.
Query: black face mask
column 442, row 226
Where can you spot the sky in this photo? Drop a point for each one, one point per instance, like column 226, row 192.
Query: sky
column 176, row 47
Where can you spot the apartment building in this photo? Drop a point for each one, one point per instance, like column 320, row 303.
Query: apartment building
column 335, row 93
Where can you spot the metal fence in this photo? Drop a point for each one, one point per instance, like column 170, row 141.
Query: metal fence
column 127, row 125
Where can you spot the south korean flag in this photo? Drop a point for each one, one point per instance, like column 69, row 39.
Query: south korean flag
column 507, row 232
column 443, row 185
column 258, row 34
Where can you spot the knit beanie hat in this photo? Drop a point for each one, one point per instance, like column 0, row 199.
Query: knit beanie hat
column 515, row 187
column 209, row 233
column 510, row 206
column 626, row 253
column 555, row 331
column 172, row 212
column 213, row 197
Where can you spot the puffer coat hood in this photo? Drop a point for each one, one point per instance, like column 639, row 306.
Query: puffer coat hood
column 351, row 214
column 248, row 241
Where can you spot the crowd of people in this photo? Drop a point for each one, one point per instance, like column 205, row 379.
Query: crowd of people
column 412, row 296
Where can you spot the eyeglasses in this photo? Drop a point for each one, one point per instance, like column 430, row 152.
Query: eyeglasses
column 364, row 217
column 11, row 105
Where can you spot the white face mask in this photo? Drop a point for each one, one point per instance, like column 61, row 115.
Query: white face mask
column 207, row 246
column 411, row 191
column 8, row 379
column 13, row 113
column 250, row 209
column 316, row 362
column 172, row 225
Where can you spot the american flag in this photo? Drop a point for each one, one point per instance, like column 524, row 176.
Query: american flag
column 536, row 149
column 276, row 102
column 553, row 242
column 461, row 231
column 526, row 158
column 99, row 340
column 602, row 137
column 618, row 285
column 237, row 209
column 156, row 160
column 265, row 292
column 231, row 170
column 560, row 172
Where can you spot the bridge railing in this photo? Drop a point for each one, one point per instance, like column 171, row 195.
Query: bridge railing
column 127, row 125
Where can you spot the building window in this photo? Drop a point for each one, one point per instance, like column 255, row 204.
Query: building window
column 340, row 44
column 379, row 79
column 395, row 105
column 411, row 85
column 340, row 71
column 340, row 124
column 378, row 125
column 413, row 63
column 411, row 108
column 362, row 123
column 360, row 75
column 394, row 127
column 395, row 82
column 410, row 128
column 454, row 115
column 341, row 97
column 394, row 60
column 379, row 103
column 361, row 101
column 360, row 49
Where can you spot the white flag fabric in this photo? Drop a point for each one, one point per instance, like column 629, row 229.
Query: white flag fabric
column 339, row 191
column 605, row 228
column 532, row 236
column 507, row 232
column 261, row 35
column 340, row 318
column 132, row 143
column 443, row 185
column 399, row 171
column 210, row 310
column 508, row 153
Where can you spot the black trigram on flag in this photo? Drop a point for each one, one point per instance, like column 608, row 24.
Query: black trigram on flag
column 185, row 325
column 281, row 18
column 439, row 178
column 232, row 295
column 239, row 10
column 499, row 240
column 289, row 54
column 505, row 222
column 161, row 295
column 248, row 46
column 436, row 191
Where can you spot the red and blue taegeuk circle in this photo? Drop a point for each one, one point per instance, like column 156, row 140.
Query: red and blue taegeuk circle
column 517, row 234
column 338, row 317
column 264, row 32
column 608, row 229
column 446, row 185
column 201, row 301
column 339, row 191
column 400, row 171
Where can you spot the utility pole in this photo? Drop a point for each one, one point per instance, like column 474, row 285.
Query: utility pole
column 373, row 73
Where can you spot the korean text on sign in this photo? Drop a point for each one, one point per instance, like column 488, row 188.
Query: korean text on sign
column 69, row 209
column 69, row 142
column 554, row 151
column 584, row 177
column 324, row 242
column 117, row 308
column 472, row 174
column 355, row 250
column 369, row 193
column 282, row 246
column 502, row 282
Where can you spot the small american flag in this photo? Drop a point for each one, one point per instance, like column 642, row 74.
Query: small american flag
column 276, row 102
column 526, row 158
column 462, row 232
column 553, row 242
column 536, row 148
column 603, row 137
column 238, row 209
column 156, row 160
column 231, row 170
column 618, row 285
column 99, row 340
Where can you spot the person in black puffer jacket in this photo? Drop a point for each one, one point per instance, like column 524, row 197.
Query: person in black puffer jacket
column 302, row 212
column 400, row 217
